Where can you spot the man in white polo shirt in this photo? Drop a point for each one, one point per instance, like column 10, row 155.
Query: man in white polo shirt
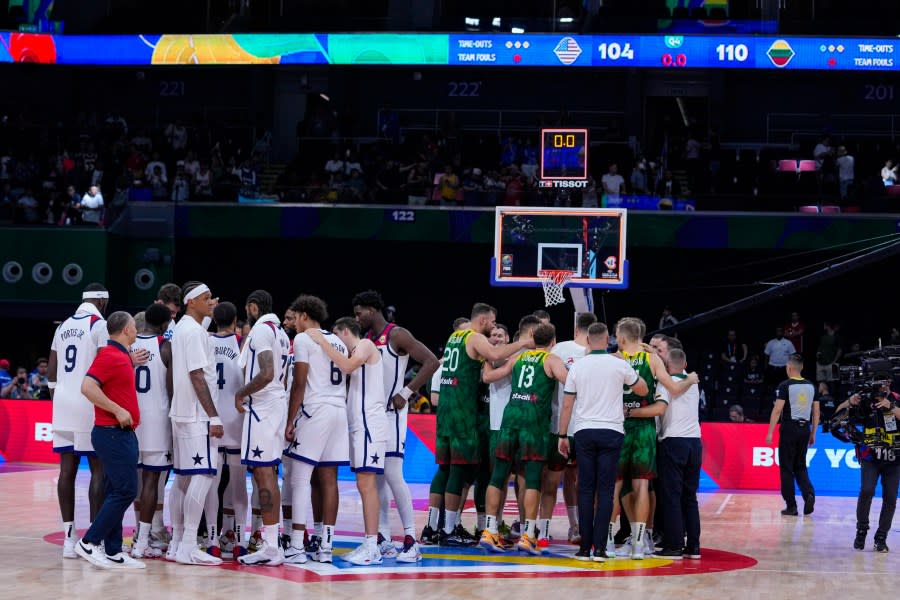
column 680, row 455
column 777, row 352
column 593, row 412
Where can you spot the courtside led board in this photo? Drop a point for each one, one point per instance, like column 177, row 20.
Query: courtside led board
column 589, row 242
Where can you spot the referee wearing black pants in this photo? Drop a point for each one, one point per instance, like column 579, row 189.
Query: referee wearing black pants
column 797, row 409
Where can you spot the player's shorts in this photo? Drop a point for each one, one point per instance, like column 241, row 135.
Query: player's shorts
column 638, row 457
column 321, row 436
column 230, row 456
column 555, row 460
column 155, row 460
column 263, row 434
column 195, row 452
column 521, row 444
column 396, row 431
column 366, row 455
column 73, row 442
column 458, row 449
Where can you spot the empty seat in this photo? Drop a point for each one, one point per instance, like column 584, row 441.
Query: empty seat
column 809, row 209
column 831, row 209
column 852, row 209
column 807, row 166
column 787, row 166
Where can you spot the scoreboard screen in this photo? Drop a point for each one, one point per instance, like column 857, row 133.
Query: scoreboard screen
column 564, row 154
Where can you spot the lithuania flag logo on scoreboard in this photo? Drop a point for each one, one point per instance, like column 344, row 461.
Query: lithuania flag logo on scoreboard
column 780, row 53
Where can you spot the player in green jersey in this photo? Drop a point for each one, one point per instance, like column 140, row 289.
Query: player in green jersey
column 523, row 434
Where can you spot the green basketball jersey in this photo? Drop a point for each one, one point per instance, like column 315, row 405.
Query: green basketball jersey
column 640, row 362
column 532, row 388
column 460, row 378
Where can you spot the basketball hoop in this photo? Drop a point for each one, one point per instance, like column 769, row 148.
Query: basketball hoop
column 553, row 282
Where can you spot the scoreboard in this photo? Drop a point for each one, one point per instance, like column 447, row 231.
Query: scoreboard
column 564, row 158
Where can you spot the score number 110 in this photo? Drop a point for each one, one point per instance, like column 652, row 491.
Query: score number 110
column 732, row 52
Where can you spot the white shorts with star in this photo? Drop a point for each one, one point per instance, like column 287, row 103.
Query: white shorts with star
column 366, row 455
column 195, row 452
column 320, row 436
column 262, row 438
column 396, row 431
column 155, row 460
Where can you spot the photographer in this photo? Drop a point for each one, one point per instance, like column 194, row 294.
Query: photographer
column 19, row 388
column 878, row 415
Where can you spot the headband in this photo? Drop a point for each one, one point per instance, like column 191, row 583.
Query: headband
column 194, row 293
column 95, row 295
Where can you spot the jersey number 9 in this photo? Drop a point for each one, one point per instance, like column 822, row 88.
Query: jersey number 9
column 71, row 356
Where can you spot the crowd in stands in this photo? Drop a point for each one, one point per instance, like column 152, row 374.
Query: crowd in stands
column 24, row 385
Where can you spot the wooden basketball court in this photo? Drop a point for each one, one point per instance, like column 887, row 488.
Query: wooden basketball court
column 749, row 551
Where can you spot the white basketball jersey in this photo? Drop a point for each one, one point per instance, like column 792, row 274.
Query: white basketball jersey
column 365, row 402
column 76, row 342
column 267, row 336
column 569, row 352
column 229, row 377
column 191, row 352
column 394, row 365
column 155, row 431
column 498, row 394
column 325, row 383
column 289, row 376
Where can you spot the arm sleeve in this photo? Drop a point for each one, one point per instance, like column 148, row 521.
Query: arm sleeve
column 196, row 349
column 570, row 380
column 301, row 348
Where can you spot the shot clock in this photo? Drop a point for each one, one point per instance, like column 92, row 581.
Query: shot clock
column 564, row 158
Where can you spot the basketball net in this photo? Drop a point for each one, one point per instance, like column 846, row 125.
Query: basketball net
column 553, row 282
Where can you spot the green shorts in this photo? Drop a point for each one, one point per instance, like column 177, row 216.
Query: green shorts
column 521, row 444
column 458, row 449
column 555, row 460
column 638, row 457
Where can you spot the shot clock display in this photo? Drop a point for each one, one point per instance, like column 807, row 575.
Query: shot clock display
column 564, row 156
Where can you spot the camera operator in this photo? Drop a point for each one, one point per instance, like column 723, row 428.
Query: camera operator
column 19, row 388
column 797, row 409
column 878, row 413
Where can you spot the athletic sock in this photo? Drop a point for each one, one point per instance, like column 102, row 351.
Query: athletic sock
column 143, row 533
column 287, row 525
column 609, row 536
column 410, row 531
column 257, row 522
column 327, row 536
column 228, row 522
column 490, row 524
column 69, row 530
column 450, row 521
column 238, row 533
column 544, row 533
column 637, row 529
column 270, row 534
column 157, row 522
column 480, row 521
column 572, row 511
column 434, row 516
column 530, row 528
column 297, row 538
column 372, row 542
column 318, row 529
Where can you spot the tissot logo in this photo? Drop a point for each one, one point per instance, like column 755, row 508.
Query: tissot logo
column 563, row 183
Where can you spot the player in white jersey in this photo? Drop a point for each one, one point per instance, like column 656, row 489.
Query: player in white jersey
column 367, row 422
column 74, row 346
column 263, row 401
column 287, row 500
column 229, row 378
column 499, row 382
column 196, row 426
column 153, row 382
column 570, row 352
column 398, row 347
column 317, row 429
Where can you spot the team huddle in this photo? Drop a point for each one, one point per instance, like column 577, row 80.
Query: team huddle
column 294, row 395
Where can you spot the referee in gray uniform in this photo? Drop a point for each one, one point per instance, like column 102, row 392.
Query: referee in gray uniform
column 797, row 409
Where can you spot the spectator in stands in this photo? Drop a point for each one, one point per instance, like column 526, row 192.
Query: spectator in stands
column 203, row 182
column 613, row 183
column 136, row 164
column 777, row 352
column 39, row 382
column 19, row 388
column 828, row 354
column 416, row 183
column 191, row 164
column 823, row 151
column 91, row 206
column 668, row 186
column 846, row 171
column 449, row 185
column 352, row 163
column 894, row 338
column 736, row 414
column 181, row 187
column 889, row 173
column 794, row 331
column 388, row 183
column 667, row 319
column 734, row 350
column 153, row 164
column 177, row 136
column 589, row 197
column 515, row 187
column 639, row 178
column 158, row 182
column 529, row 152
column 334, row 167
column 355, row 188
column 29, row 210
column 5, row 377
column 472, row 186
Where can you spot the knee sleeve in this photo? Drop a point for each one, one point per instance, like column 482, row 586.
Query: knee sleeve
column 459, row 476
column 500, row 474
column 533, row 472
column 439, row 481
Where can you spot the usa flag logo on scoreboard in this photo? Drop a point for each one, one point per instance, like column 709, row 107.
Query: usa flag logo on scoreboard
column 567, row 50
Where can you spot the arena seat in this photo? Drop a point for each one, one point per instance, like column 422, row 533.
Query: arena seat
column 787, row 166
column 807, row 166
column 831, row 210
column 809, row 209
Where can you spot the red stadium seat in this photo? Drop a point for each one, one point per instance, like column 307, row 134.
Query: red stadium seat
column 852, row 209
column 892, row 190
column 787, row 166
column 807, row 166
column 830, row 210
column 809, row 209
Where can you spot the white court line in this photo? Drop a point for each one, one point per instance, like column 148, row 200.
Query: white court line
column 722, row 506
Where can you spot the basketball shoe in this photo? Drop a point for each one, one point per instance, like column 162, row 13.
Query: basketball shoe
column 386, row 547
column 265, row 555
column 410, row 552
column 528, row 545
column 491, row 542
column 364, row 555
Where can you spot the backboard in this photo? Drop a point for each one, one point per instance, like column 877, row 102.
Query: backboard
column 590, row 242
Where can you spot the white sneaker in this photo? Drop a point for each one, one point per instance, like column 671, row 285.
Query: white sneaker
column 123, row 561
column 172, row 551
column 649, row 547
column 625, row 550
column 69, row 548
column 266, row 555
column 637, row 549
column 574, row 535
column 195, row 556
column 322, row 555
column 410, row 552
column 160, row 539
column 364, row 555
column 386, row 547
column 610, row 549
column 295, row 556
column 93, row 554
column 144, row 550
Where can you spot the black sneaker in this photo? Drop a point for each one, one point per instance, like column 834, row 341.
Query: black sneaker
column 465, row 534
column 599, row 556
column 881, row 545
column 809, row 503
column 583, row 555
column 315, row 543
column 458, row 538
column 285, row 541
column 429, row 536
column 622, row 536
column 657, row 539
column 859, row 542
column 691, row 552
column 670, row 553
column 790, row 512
